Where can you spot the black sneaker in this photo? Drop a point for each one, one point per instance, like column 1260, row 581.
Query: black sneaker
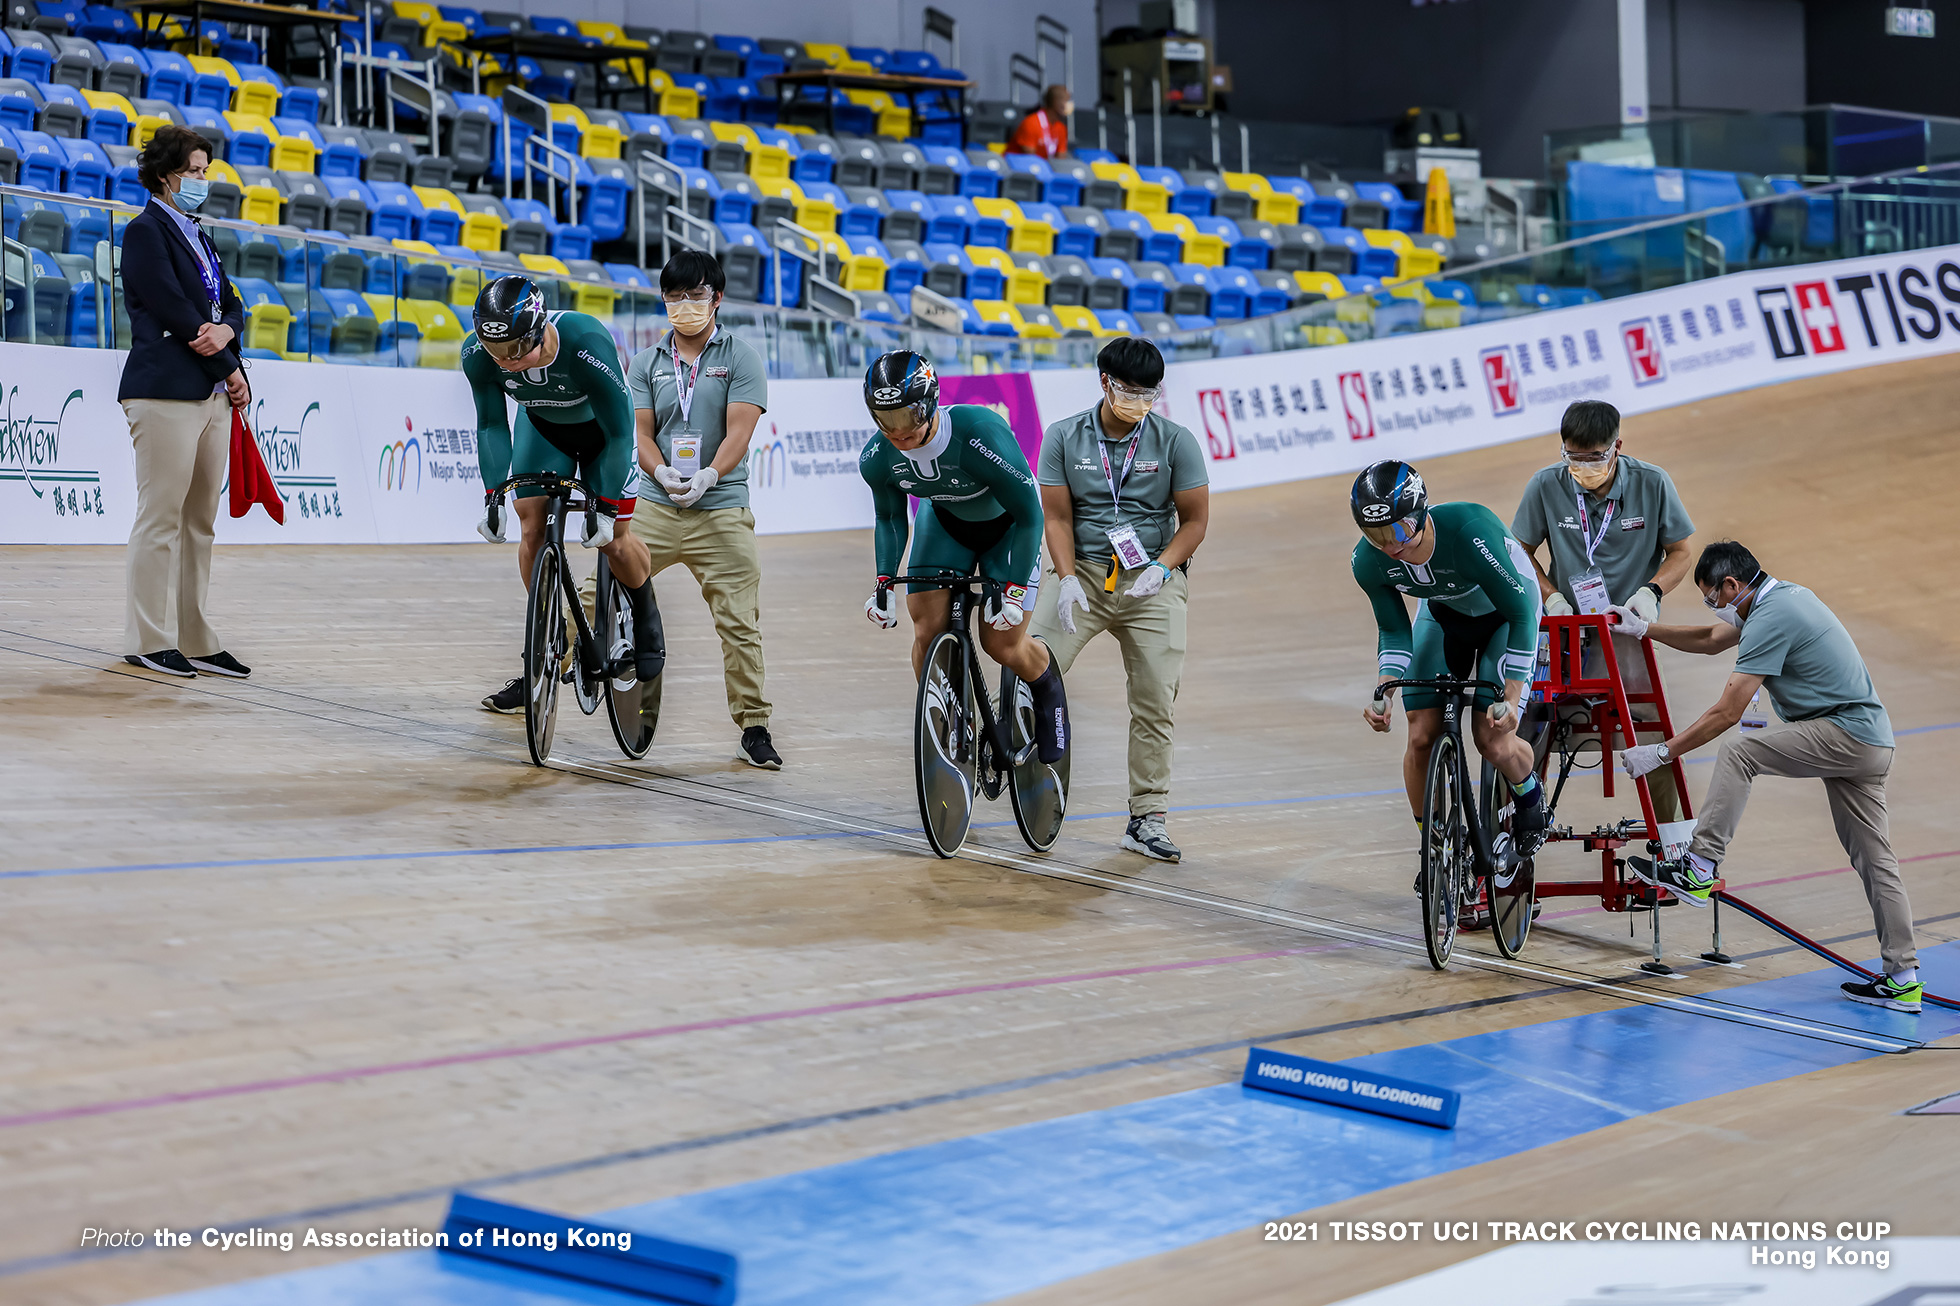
column 1679, row 878
column 1886, row 992
column 756, row 750
column 222, row 663
column 509, row 699
column 1146, row 835
column 170, row 662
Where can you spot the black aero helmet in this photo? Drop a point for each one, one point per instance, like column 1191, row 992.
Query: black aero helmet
column 901, row 380
column 510, row 317
column 1389, row 502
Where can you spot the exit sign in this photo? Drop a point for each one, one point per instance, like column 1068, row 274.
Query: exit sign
column 1908, row 22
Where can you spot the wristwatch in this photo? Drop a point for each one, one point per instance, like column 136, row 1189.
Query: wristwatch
column 1664, row 755
column 1655, row 589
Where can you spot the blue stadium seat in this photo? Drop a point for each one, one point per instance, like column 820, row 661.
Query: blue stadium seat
column 1318, row 209
column 29, row 63
column 1371, row 261
column 171, row 76
column 1088, row 155
column 978, row 282
column 605, row 203
column 1403, row 214
column 874, row 55
column 107, row 23
column 20, row 108
column 1192, row 321
column 949, row 219
column 1231, row 291
column 87, row 169
column 625, row 274
column 913, row 63
column 1116, row 319
column 907, row 268
column 398, row 211
column 42, row 161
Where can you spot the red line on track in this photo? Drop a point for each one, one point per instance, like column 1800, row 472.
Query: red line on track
column 118, row 1106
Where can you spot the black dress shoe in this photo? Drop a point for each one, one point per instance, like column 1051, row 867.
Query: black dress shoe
column 170, row 662
column 222, row 663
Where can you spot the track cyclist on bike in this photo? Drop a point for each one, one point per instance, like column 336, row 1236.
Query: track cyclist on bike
column 573, row 411
column 1476, row 618
column 982, row 512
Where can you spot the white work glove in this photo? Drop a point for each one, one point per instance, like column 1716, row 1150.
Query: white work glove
column 1631, row 623
column 1557, row 605
column 494, row 534
column 1640, row 759
column 885, row 614
column 602, row 531
column 1067, row 599
column 668, row 479
column 1006, row 612
column 1149, row 581
column 1644, row 605
column 697, row 485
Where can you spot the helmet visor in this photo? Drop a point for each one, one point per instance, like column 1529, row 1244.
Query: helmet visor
column 901, row 421
column 1396, row 532
column 505, row 351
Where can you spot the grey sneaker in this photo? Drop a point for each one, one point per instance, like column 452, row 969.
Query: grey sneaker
column 1146, row 835
column 1886, row 992
column 1679, row 878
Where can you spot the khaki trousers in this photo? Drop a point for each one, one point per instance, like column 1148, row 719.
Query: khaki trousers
column 718, row 546
column 1854, row 780
column 1151, row 633
column 181, row 447
column 1633, row 675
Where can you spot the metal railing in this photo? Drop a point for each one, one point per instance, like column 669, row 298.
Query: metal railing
column 935, row 23
column 539, row 137
column 823, row 294
column 654, row 172
column 1049, row 34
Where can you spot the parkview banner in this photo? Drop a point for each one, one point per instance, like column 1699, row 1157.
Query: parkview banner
column 381, row 455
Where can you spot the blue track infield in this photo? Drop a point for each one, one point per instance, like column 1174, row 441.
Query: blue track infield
column 980, row 1218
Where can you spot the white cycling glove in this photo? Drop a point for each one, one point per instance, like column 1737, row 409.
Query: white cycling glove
column 885, row 612
column 1067, row 599
column 1006, row 612
column 601, row 530
column 1557, row 605
column 697, row 485
column 1149, row 581
column 1631, row 624
column 493, row 533
column 1644, row 605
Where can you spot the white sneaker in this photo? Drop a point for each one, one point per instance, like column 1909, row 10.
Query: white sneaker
column 1146, row 835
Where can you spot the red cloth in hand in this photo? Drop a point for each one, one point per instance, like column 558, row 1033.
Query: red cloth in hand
column 250, row 481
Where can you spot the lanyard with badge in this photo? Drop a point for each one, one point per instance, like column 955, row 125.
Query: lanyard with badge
column 686, row 456
column 207, row 268
column 1129, row 550
column 1589, row 586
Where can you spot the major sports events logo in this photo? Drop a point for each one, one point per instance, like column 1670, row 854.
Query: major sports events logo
column 1801, row 315
column 1643, row 351
column 1501, row 376
column 1354, row 402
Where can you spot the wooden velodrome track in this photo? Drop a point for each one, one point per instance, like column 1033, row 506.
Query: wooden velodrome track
column 308, row 939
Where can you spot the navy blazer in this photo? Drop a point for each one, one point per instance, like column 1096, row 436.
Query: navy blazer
column 167, row 303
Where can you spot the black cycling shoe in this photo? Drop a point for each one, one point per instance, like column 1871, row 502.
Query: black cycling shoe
column 1051, row 728
column 509, row 699
column 649, row 638
column 1530, row 823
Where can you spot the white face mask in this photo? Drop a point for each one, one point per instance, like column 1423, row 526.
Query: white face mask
column 689, row 318
column 1727, row 612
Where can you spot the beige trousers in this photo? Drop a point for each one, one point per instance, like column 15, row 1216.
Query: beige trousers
column 1854, row 781
column 1151, row 633
column 181, row 447
column 718, row 546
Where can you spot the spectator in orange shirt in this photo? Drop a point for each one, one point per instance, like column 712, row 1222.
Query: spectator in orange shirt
column 1045, row 131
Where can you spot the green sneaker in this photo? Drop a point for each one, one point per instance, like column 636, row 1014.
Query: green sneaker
column 1886, row 992
column 1679, row 878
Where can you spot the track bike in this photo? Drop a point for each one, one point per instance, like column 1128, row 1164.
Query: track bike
column 1470, row 865
column 603, row 668
column 964, row 738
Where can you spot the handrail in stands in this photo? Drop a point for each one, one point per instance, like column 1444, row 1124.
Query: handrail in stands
column 1046, row 39
column 29, row 274
column 935, row 22
column 790, row 239
column 667, row 178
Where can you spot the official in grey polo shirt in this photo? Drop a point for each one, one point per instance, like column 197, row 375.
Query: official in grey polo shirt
column 1617, row 533
column 697, row 396
column 1125, row 497
column 1792, row 647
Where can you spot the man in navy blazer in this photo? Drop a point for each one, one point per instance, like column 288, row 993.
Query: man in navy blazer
column 183, row 376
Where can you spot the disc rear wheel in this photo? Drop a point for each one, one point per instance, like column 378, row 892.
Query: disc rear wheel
column 626, row 694
column 1512, row 887
column 1039, row 790
column 944, row 750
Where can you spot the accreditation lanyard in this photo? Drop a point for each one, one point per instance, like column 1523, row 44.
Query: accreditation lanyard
column 207, row 264
column 1590, row 538
column 1114, row 482
column 684, row 390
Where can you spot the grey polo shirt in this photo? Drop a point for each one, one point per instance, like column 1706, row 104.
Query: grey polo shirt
column 731, row 373
column 1168, row 459
column 1647, row 515
column 1809, row 664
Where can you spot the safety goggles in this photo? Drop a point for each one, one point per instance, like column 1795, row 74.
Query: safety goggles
column 701, row 296
column 1396, row 532
column 1593, row 460
column 1130, row 394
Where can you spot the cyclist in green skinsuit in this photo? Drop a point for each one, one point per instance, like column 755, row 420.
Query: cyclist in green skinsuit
column 1476, row 617
column 982, row 512
column 573, row 412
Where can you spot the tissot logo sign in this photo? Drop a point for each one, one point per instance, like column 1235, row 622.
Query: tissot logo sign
column 1644, row 351
column 1884, row 308
column 1501, row 376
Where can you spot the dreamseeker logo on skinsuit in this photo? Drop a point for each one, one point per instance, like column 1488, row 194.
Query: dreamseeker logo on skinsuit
column 30, row 452
column 1002, row 463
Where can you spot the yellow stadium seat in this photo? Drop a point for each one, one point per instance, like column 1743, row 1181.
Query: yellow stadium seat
column 986, row 256
column 873, row 100
column 261, row 205
column 483, row 231
column 1356, row 310
column 739, row 132
column 597, row 300
column 570, row 113
column 1026, row 284
column 1120, row 173
column 895, row 121
column 1074, row 317
column 1032, row 237
column 1138, row 195
column 863, row 272
column 435, row 197
column 421, row 14
column 830, row 54
column 438, row 32
column 1410, row 261
column 465, row 284
column 267, row 326
column 1006, row 210
column 418, row 246
column 241, row 121
column 1441, row 315
column 602, row 141
column 1324, row 284
column 1272, row 206
column 1199, row 247
column 255, row 97
column 781, row 188
column 769, row 161
column 222, row 67
column 680, row 102
column 222, row 171
column 608, row 33
column 110, row 100
column 146, row 127
column 1323, row 335
column 545, row 263
column 294, row 154
column 999, row 310
column 856, row 66
column 383, row 307
column 816, row 215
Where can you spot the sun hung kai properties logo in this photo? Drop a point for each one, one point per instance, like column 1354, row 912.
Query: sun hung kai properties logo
column 30, row 453
column 284, row 451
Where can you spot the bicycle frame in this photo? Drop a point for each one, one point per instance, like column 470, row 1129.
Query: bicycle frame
column 1454, row 692
column 958, row 619
column 558, row 504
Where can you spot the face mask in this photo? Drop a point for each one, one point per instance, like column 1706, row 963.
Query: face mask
column 1727, row 612
column 191, row 194
column 1129, row 410
column 689, row 317
column 1590, row 476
